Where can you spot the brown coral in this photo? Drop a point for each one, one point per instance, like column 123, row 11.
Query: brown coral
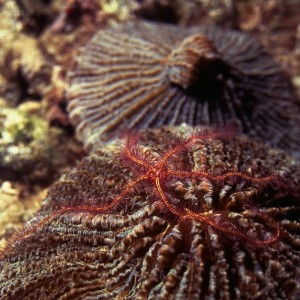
column 141, row 75
column 138, row 249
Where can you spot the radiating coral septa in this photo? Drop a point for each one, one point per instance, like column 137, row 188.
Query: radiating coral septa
column 189, row 59
column 157, row 175
column 226, row 226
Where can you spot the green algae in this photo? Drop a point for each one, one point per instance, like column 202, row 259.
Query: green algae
column 28, row 147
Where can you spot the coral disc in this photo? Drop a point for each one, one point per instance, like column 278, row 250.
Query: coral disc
column 190, row 59
column 166, row 215
column 140, row 75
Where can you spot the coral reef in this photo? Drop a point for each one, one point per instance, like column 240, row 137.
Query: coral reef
column 36, row 141
column 188, row 12
column 104, row 232
column 170, row 213
column 32, row 156
column 30, row 151
column 141, row 75
column 37, row 15
column 16, row 207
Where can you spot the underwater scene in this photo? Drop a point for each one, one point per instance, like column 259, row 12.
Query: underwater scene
column 149, row 149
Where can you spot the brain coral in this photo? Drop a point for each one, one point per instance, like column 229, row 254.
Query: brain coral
column 169, row 214
column 140, row 75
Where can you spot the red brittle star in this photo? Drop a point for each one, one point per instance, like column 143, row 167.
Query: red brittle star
column 155, row 171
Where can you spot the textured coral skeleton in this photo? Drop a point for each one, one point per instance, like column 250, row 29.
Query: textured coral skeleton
column 155, row 172
column 228, row 203
column 140, row 75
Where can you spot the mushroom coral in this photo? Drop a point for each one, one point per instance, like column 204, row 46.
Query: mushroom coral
column 245, row 245
column 139, row 75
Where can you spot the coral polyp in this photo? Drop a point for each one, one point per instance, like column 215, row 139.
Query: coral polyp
column 140, row 75
column 169, row 213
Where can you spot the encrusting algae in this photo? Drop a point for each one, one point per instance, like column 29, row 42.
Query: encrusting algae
column 170, row 213
column 30, row 150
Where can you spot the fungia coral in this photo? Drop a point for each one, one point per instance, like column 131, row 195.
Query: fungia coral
column 140, row 75
column 171, row 213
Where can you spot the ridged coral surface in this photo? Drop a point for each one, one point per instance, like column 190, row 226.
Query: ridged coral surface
column 141, row 75
column 185, row 215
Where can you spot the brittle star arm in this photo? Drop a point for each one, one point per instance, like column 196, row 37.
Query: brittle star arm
column 94, row 209
column 188, row 214
column 187, row 174
column 136, row 160
column 115, row 202
column 234, row 232
column 175, row 150
column 165, row 201
column 185, row 144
